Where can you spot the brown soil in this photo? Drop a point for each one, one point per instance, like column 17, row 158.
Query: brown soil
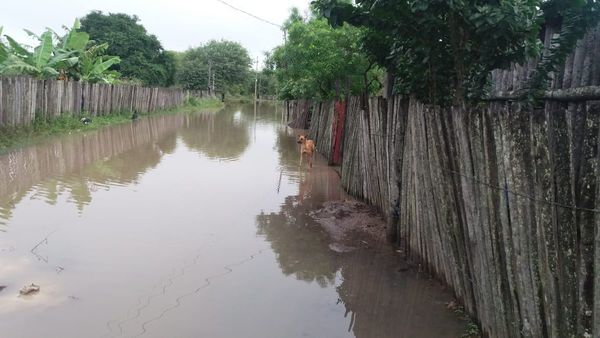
column 350, row 223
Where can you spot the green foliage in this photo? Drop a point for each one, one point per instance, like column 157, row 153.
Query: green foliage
column 74, row 39
column 442, row 51
column 142, row 56
column 575, row 18
column 319, row 61
column 170, row 63
column 192, row 70
column 39, row 63
column 228, row 62
column 267, row 80
column 203, row 103
column 471, row 331
column 3, row 50
column 71, row 55
column 94, row 67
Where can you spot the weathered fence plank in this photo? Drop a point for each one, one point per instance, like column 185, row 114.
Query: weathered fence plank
column 24, row 99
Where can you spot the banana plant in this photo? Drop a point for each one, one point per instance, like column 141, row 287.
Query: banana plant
column 75, row 40
column 36, row 63
column 43, row 62
column 71, row 55
column 3, row 52
column 94, row 66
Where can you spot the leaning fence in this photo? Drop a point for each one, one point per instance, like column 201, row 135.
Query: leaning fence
column 501, row 202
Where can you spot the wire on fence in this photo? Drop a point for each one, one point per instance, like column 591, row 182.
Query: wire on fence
column 504, row 189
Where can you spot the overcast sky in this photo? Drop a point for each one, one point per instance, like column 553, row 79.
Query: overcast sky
column 178, row 24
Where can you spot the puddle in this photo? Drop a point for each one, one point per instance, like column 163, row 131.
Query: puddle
column 193, row 226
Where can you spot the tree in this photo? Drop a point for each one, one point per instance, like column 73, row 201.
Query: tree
column 318, row 61
column 142, row 55
column 575, row 17
column 170, row 59
column 443, row 51
column 267, row 80
column 224, row 63
column 192, row 70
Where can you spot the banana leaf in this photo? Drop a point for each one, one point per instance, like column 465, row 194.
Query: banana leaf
column 76, row 40
column 32, row 34
column 17, row 48
column 15, row 65
column 43, row 52
column 3, row 50
column 105, row 65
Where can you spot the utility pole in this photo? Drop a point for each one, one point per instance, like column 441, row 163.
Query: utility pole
column 209, row 70
column 256, row 85
column 259, row 88
column 255, row 98
column 213, row 83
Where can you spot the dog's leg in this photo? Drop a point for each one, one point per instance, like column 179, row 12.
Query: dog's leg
column 300, row 158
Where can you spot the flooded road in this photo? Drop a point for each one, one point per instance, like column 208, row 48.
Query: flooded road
column 192, row 226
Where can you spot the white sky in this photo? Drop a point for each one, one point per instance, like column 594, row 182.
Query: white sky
column 178, row 24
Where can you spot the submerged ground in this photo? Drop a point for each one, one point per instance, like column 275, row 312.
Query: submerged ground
column 194, row 225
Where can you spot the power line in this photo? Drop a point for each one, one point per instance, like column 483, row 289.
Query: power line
column 250, row 14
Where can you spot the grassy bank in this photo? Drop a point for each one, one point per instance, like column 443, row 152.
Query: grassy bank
column 239, row 98
column 16, row 137
column 208, row 103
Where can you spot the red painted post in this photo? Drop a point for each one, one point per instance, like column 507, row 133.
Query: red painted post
column 338, row 131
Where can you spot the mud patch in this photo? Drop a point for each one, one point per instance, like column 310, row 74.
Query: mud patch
column 348, row 221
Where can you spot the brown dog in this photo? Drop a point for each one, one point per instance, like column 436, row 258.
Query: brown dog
column 306, row 147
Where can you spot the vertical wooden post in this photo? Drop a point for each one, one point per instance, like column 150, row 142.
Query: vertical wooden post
column 209, row 70
column 256, row 87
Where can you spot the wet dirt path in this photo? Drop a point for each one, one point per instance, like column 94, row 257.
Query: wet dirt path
column 193, row 226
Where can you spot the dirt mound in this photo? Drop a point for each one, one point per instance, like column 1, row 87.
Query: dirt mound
column 344, row 220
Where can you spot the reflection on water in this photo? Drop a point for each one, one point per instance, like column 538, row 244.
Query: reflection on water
column 81, row 163
column 380, row 299
column 187, row 226
column 223, row 136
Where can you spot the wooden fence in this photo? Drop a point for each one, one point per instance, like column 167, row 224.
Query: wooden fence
column 23, row 99
column 298, row 113
column 501, row 202
column 579, row 75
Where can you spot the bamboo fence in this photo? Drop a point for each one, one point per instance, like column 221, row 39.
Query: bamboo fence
column 500, row 202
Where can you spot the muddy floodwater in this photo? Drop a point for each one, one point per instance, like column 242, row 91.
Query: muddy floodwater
column 193, row 225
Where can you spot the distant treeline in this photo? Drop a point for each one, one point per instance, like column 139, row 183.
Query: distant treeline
column 115, row 48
